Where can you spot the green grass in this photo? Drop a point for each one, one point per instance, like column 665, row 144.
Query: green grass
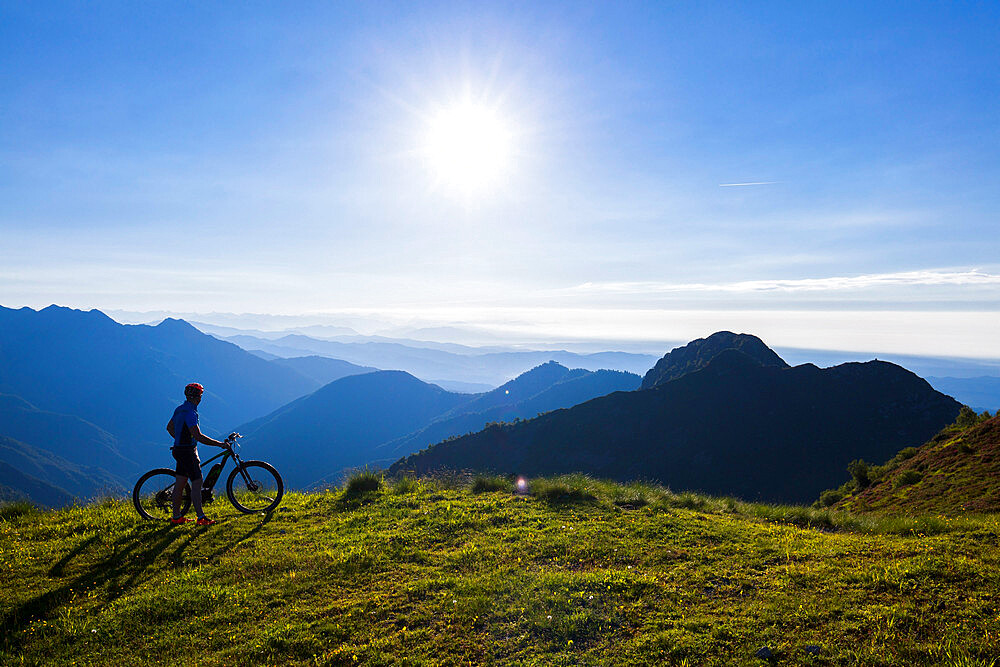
column 362, row 482
column 954, row 473
column 427, row 572
column 491, row 483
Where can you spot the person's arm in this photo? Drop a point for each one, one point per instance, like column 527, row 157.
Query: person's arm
column 198, row 436
column 170, row 428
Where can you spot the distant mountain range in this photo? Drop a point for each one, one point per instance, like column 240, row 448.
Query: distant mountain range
column 547, row 387
column 86, row 390
column 433, row 363
column 339, row 425
column 128, row 379
column 51, row 479
column 733, row 426
column 87, row 399
column 322, row 370
column 84, row 401
column 378, row 417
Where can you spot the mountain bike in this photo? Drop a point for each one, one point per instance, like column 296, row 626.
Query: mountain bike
column 254, row 487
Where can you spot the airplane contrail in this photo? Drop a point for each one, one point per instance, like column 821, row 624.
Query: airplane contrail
column 736, row 185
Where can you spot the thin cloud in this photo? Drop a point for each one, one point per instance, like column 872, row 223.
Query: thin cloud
column 741, row 185
column 836, row 283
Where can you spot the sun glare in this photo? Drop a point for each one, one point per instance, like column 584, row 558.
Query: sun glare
column 468, row 148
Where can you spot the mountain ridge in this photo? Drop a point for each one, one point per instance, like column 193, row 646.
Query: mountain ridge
column 127, row 379
column 679, row 432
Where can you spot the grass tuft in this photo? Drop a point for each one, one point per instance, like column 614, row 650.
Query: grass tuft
column 405, row 485
column 489, row 483
column 564, row 489
column 361, row 482
column 17, row 508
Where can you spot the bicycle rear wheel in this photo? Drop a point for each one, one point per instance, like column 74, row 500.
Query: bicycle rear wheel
column 153, row 495
column 254, row 487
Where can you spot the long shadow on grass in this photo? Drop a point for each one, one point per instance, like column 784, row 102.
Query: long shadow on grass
column 177, row 557
column 131, row 555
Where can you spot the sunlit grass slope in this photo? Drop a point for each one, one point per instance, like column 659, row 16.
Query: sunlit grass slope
column 431, row 572
column 958, row 471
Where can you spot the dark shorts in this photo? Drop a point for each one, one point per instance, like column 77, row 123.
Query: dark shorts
column 188, row 463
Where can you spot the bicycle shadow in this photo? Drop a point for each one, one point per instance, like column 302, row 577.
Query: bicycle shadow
column 130, row 557
column 176, row 559
column 115, row 574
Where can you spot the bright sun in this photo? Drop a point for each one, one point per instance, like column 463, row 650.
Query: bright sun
column 468, row 148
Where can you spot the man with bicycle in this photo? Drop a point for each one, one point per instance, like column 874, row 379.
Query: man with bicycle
column 183, row 428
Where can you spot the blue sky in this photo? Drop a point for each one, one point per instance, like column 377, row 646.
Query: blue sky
column 267, row 157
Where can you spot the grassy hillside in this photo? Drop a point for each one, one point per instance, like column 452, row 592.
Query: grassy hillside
column 430, row 572
column 957, row 471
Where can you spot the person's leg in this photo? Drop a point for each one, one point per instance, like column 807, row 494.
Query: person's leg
column 194, row 474
column 179, row 483
column 196, row 496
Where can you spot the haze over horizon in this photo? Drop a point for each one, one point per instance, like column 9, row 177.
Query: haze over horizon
column 819, row 176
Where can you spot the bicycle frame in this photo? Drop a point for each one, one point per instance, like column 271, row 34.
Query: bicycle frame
column 225, row 455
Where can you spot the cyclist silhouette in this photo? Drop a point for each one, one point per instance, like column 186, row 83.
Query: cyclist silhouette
column 183, row 427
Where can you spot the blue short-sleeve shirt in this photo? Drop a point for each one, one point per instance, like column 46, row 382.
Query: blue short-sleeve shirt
column 185, row 417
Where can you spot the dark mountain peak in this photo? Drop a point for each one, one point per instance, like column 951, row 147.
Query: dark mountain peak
column 698, row 353
column 731, row 361
column 881, row 371
column 55, row 315
column 551, row 363
column 55, row 322
column 65, row 361
column 55, row 309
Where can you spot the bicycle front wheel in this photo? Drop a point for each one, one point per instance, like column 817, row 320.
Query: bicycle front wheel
column 153, row 495
column 254, row 487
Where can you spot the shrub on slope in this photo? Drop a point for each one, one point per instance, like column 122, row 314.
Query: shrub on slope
column 957, row 471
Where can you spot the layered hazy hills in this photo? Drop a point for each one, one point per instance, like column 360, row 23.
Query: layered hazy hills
column 65, row 436
column 340, row 424
column 50, row 479
column 698, row 353
column 87, row 400
column 16, row 485
column 956, row 471
column 439, row 362
column 543, row 388
column 377, row 417
column 322, row 370
column 79, row 389
column 733, row 427
column 127, row 379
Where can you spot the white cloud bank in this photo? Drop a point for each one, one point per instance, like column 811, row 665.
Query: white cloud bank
column 936, row 278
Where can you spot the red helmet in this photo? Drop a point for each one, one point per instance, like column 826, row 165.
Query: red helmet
column 194, row 389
